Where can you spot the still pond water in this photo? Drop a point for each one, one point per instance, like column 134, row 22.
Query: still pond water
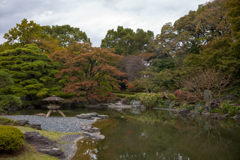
column 159, row 135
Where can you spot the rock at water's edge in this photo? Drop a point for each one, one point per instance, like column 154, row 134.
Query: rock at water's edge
column 44, row 144
column 90, row 128
column 183, row 112
column 95, row 136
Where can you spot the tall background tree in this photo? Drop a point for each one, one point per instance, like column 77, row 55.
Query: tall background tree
column 126, row 42
column 65, row 34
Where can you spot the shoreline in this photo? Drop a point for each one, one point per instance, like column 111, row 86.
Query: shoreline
column 68, row 142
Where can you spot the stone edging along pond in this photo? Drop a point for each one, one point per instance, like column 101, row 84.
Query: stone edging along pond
column 66, row 146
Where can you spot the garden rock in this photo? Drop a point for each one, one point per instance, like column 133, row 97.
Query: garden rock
column 103, row 116
column 111, row 105
column 184, row 112
column 199, row 106
column 84, row 116
column 118, row 109
column 95, row 136
column 131, row 102
column 120, row 106
column 22, row 122
column 40, row 114
column 44, row 144
column 90, row 128
column 229, row 97
column 118, row 103
column 36, row 126
column 206, row 113
column 94, row 114
column 136, row 103
column 214, row 103
column 91, row 116
column 237, row 117
column 207, row 95
column 124, row 101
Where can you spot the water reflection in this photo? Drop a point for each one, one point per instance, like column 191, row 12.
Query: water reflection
column 176, row 138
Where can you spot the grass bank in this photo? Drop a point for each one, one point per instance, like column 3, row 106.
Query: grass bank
column 27, row 151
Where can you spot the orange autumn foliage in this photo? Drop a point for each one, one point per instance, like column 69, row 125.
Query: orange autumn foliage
column 90, row 71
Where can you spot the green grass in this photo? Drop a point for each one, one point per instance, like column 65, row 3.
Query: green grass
column 26, row 152
column 123, row 94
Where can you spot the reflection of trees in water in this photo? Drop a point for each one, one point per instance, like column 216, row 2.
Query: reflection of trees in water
column 171, row 138
column 203, row 137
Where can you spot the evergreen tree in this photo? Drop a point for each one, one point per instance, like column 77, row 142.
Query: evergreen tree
column 30, row 70
column 7, row 102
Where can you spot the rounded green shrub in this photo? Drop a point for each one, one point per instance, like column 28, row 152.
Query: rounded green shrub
column 11, row 138
column 130, row 97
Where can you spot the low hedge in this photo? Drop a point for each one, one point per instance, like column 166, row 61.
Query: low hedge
column 7, row 121
column 150, row 99
column 11, row 138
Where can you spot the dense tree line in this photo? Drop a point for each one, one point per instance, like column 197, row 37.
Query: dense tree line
column 60, row 60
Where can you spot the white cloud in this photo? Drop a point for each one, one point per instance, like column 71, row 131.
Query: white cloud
column 95, row 17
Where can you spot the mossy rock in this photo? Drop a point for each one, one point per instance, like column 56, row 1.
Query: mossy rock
column 11, row 138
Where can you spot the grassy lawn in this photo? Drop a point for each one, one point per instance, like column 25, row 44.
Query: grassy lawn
column 26, row 152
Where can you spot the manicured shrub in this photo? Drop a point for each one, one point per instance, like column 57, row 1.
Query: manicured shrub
column 171, row 96
column 11, row 138
column 9, row 102
column 148, row 99
column 130, row 97
column 4, row 121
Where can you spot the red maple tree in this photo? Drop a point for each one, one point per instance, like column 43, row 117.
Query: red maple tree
column 89, row 71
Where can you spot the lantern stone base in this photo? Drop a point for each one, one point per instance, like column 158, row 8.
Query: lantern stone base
column 54, row 108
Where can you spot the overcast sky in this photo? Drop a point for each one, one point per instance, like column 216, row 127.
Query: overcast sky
column 95, row 17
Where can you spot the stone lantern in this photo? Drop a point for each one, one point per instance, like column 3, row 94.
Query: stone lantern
column 53, row 107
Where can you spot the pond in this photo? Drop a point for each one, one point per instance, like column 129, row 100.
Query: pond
column 157, row 134
column 160, row 135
